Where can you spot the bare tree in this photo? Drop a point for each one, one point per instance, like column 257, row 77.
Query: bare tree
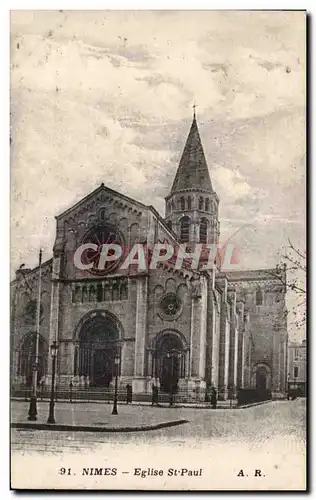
column 292, row 275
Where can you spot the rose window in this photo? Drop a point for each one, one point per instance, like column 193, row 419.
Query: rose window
column 170, row 305
column 99, row 236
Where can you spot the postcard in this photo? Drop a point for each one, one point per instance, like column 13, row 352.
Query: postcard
column 158, row 250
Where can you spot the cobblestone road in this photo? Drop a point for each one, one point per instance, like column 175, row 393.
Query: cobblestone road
column 259, row 426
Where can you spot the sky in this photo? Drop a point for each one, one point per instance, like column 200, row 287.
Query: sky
column 105, row 96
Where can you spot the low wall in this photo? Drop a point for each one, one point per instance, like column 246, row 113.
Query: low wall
column 252, row 395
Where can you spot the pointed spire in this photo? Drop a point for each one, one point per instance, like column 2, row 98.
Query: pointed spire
column 192, row 172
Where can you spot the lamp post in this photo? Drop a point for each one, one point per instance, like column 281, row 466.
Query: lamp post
column 54, row 350
column 116, row 364
column 33, row 399
column 172, row 354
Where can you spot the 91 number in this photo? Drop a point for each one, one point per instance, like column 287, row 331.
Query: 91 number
column 64, row 471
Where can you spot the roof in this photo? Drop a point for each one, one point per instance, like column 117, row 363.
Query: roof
column 244, row 274
column 34, row 270
column 193, row 171
column 99, row 189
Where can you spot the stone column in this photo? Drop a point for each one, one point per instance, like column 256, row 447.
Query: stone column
column 223, row 345
column 198, row 329
column 149, row 370
column 54, row 307
column 241, row 346
column 248, row 349
column 187, row 364
column 140, row 334
column 210, row 331
column 194, row 229
column 233, row 348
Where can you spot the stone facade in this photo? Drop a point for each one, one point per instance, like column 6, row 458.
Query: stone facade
column 192, row 329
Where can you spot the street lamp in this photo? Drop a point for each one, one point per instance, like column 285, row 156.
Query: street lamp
column 33, row 399
column 53, row 351
column 116, row 364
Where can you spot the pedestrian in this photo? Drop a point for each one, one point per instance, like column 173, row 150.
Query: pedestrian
column 42, row 387
column 154, row 400
column 153, row 394
column 129, row 394
column 213, row 398
column 171, row 398
column 70, row 391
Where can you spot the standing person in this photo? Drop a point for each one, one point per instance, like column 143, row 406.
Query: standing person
column 153, row 394
column 129, row 394
column 70, row 391
column 154, row 400
column 213, row 398
column 156, row 395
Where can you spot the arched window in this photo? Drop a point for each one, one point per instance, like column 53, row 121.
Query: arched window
column 259, row 297
column 102, row 213
column 115, row 292
column 185, row 229
column 78, row 295
column 107, row 292
column 123, row 291
column 27, row 358
column 207, row 205
column 92, row 294
column 189, row 202
column 99, row 292
column 203, row 230
column 201, row 203
column 84, row 294
column 182, row 203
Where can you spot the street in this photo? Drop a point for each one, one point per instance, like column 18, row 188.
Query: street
column 261, row 447
column 255, row 426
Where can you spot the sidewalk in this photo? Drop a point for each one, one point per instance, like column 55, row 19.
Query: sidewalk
column 220, row 404
column 91, row 417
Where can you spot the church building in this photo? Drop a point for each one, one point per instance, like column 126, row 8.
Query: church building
column 184, row 330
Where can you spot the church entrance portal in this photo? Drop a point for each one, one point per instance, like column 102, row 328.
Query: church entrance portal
column 170, row 362
column 98, row 341
column 262, row 377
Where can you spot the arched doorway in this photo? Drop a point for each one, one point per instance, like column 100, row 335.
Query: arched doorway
column 169, row 361
column 262, row 376
column 98, row 343
column 27, row 358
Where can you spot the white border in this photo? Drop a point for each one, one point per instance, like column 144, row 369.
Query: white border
column 4, row 169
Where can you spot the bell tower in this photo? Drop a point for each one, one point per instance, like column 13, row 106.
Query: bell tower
column 192, row 204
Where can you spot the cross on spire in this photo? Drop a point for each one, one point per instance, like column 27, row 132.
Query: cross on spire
column 194, row 106
column 192, row 172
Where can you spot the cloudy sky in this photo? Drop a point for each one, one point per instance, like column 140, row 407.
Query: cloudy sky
column 100, row 96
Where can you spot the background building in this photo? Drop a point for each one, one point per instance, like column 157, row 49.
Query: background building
column 297, row 368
